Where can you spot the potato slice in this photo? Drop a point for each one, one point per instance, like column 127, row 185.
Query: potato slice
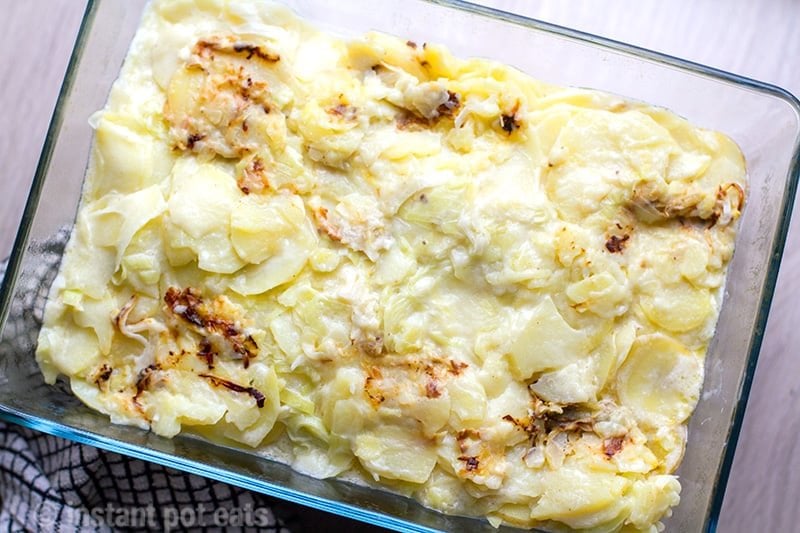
column 260, row 223
column 125, row 157
column 660, row 380
column 245, row 424
column 394, row 453
column 70, row 352
column 467, row 401
column 668, row 444
column 581, row 499
column 116, row 218
column 600, row 293
column 651, row 498
column 575, row 383
column 547, row 342
column 179, row 398
column 276, row 237
column 678, row 308
column 200, row 204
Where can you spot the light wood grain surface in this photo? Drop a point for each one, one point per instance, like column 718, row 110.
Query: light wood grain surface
column 756, row 39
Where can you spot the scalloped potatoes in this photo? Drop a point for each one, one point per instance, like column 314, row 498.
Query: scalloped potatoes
column 429, row 274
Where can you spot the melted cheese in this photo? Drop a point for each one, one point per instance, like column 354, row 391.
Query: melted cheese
column 435, row 275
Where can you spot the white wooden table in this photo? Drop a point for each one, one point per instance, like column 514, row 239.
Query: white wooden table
column 756, row 39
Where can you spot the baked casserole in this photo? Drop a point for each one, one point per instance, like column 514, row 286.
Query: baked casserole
column 374, row 260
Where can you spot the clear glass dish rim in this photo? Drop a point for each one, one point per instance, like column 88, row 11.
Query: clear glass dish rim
column 345, row 509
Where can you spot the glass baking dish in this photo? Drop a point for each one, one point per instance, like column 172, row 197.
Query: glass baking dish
column 764, row 121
